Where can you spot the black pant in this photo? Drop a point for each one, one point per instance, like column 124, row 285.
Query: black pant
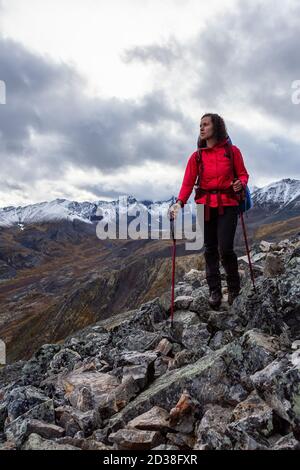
column 219, row 234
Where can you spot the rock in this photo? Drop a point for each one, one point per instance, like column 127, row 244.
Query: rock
column 273, row 265
column 265, row 246
column 287, row 442
column 253, row 416
column 36, row 442
column 100, row 385
column 164, row 347
column 165, row 301
column 258, row 257
column 254, row 257
column 163, row 447
column 185, row 357
column 101, row 435
column 17, row 429
column 289, row 297
column 140, row 341
column 184, row 414
column 161, row 365
column 46, row 430
column 148, row 315
column 83, row 444
column 135, row 439
column 36, row 368
column 8, row 445
column 65, row 420
column 138, row 373
column 194, row 277
column 117, row 399
column 200, row 305
column 182, row 302
column 252, row 352
column 243, row 441
column 73, row 420
column 21, row 399
column 185, row 319
column 296, row 344
column 264, row 345
column 184, row 323
column 220, row 339
column 11, row 373
column 260, row 309
column 82, row 399
column 195, row 337
column 135, row 358
column 182, row 288
column 95, row 341
column 278, row 384
column 211, row 431
column 181, row 441
column 156, row 419
column 65, row 358
column 3, row 414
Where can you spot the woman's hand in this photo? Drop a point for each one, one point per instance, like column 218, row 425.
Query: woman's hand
column 237, row 185
column 173, row 210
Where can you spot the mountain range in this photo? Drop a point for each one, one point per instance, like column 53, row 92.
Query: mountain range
column 283, row 195
column 57, row 276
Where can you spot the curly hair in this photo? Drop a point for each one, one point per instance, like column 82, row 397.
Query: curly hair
column 220, row 131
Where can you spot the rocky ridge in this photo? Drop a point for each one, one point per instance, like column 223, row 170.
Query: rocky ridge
column 226, row 379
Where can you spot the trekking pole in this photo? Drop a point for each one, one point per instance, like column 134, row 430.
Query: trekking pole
column 247, row 249
column 172, row 221
column 241, row 196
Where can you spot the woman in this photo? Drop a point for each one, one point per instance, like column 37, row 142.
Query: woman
column 219, row 193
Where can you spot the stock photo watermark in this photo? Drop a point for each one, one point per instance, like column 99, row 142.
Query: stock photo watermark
column 2, row 92
column 2, row 353
column 296, row 94
column 135, row 222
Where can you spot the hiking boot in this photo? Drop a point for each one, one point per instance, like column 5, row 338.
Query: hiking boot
column 215, row 298
column 232, row 294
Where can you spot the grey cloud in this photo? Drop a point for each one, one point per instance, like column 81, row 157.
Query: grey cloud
column 6, row 185
column 250, row 56
column 48, row 98
column 162, row 54
column 275, row 158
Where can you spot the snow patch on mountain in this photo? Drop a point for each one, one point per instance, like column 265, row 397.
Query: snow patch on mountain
column 280, row 193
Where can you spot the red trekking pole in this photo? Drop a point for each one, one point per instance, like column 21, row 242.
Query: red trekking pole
column 248, row 251
column 172, row 221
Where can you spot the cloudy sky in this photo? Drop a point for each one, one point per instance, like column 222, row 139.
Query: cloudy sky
column 104, row 97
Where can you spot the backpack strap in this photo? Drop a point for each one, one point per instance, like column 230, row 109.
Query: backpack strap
column 229, row 151
column 241, row 196
column 199, row 167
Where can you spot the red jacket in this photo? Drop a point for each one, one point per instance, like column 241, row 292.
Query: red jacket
column 217, row 174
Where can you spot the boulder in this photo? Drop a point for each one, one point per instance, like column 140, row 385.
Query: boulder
column 278, row 384
column 135, row 439
column 36, row 442
column 185, row 413
column 211, row 431
column 156, row 419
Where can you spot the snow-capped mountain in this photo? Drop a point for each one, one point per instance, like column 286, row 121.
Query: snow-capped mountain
column 275, row 196
column 88, row 212
column 280, row 194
